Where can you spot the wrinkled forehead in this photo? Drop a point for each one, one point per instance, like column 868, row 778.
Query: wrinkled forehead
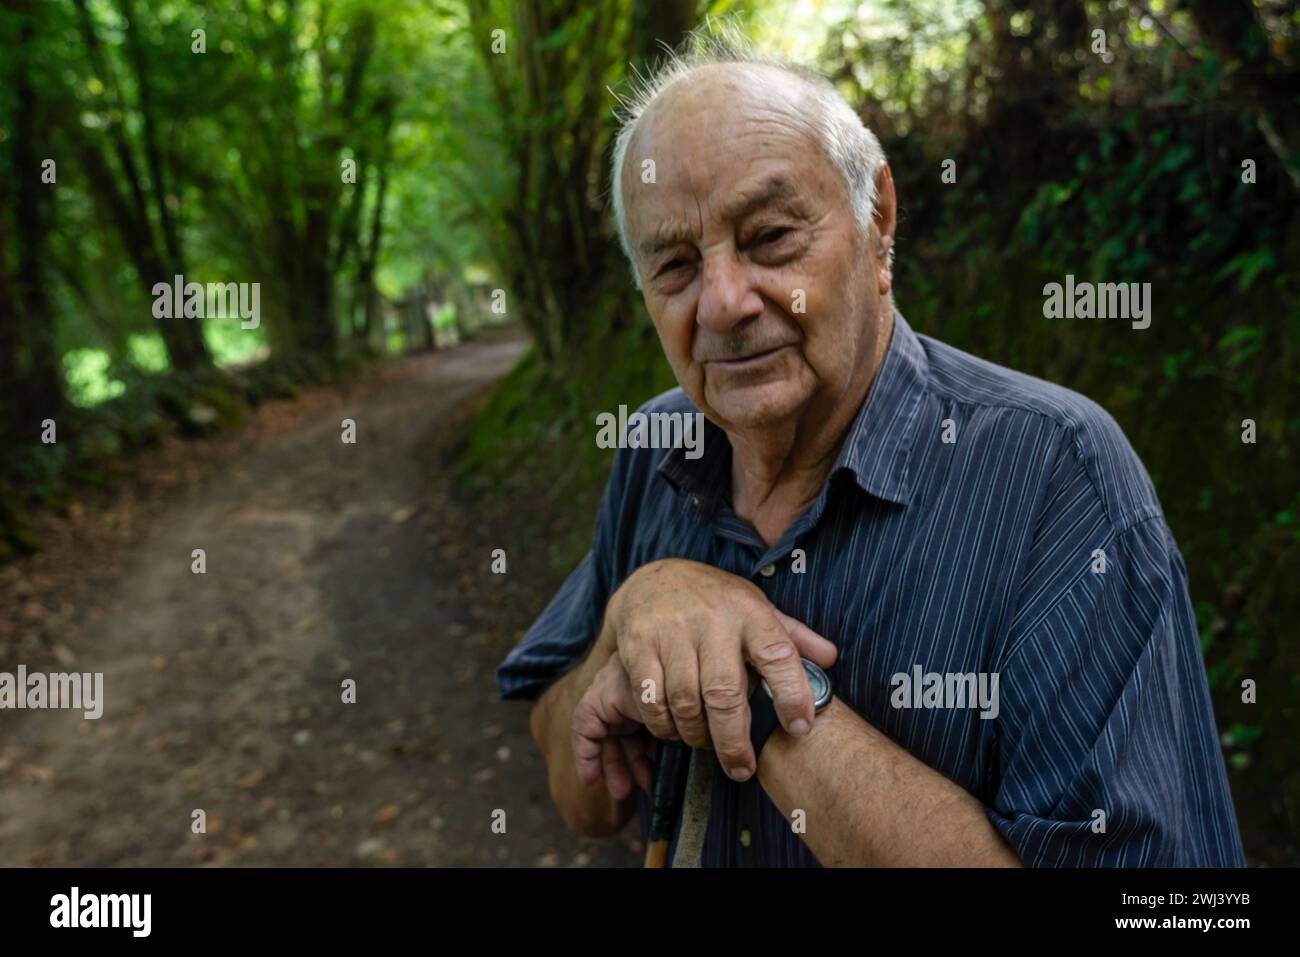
column 716, row 129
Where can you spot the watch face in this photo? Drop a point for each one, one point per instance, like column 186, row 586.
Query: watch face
column 820, row 684
column 818, row 680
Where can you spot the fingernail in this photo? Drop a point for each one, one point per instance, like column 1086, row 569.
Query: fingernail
column 799, row 726
column 740, row 774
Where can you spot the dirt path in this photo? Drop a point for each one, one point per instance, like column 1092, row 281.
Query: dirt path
column 325, row 561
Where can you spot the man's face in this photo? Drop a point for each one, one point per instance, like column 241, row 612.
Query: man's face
column 766, row 298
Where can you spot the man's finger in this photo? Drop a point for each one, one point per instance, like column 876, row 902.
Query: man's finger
column 811, row 645
column 605, row 710
column 634, row 754
column 724, row 684
column 618, row 703
column 774, row 655
column 682, row 675
column 648, row 693
column 586, row 734
column 617, row 779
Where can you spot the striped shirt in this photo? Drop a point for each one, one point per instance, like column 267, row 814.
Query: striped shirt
column 977, row 523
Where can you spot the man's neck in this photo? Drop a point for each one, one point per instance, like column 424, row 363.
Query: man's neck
column 777, row 473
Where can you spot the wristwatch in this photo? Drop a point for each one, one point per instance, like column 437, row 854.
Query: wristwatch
column 762, row 713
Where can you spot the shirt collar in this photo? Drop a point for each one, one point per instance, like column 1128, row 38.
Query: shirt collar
column 878, row 448
column 876, row 452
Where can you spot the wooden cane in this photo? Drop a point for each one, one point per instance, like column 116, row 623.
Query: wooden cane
column 666, row 800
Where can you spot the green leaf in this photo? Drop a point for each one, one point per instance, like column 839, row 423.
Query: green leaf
column 1244, row 734
column 1174, row 362
column 1249, row 265
column 1242, row 334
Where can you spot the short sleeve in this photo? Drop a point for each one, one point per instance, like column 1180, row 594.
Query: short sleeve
column 560, row 637
column 1108, row 749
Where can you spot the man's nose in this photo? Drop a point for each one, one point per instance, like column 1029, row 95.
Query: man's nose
column 727, row 296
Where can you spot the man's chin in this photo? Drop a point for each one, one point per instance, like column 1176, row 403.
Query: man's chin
column 757, row 406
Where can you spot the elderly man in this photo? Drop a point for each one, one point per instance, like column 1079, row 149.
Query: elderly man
column 974, row 560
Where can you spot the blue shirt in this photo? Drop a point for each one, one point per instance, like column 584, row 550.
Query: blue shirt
column 977, row 522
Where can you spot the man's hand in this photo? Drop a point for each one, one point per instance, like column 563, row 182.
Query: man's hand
column 608, row 738
column 683, row 633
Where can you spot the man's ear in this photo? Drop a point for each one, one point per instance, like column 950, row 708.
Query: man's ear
column 884, row 219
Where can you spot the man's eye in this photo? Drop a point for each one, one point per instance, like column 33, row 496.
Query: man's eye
column 769, row 236
column 673, row 265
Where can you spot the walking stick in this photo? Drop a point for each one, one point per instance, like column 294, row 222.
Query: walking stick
column 666, row 800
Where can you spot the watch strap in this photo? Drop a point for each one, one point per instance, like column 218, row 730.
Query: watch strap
column 762, row 719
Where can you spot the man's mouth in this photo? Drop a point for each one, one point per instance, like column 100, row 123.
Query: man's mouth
column 749, row 361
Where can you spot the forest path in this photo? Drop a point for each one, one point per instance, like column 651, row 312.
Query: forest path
column 223, row 691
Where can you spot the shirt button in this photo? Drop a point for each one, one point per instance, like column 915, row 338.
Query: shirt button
column 744, row 838
column 767, row 571
column 695, row 501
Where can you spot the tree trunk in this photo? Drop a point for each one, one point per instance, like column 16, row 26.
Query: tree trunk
column 370, row 253
column 155, row 252
column 657, row 22
column 30, row 383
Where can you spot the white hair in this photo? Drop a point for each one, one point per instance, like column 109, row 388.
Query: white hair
column 851, row 148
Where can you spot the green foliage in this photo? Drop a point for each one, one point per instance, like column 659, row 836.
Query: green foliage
column 85, row 373
column 147, row 352
column 1247, row 266
column 232, row 345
